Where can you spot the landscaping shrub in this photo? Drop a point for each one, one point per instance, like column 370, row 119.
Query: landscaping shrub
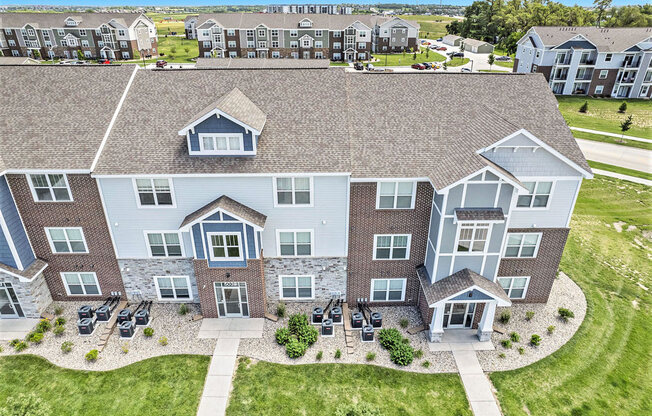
column 66, row 347
column 371, row 356
column 183, row 309
column 320, row 354
column 521, row 350
column 20, row 346
column 58, row 310
column 404, row 323
column 505, row 316
column 425, row 364
column 401, row 354
column 529, row 315
column 405, row 340
column 92, row 355
column 308, row 335
column 124, row 347
column 418, row 353
column 295, row 348
column 1, row 348
column 148, row 331
column 507, row 343
column 585, row 107
column 502, row 355
column 298, row 321
column 282, row 336
column 389, row 338
column 24, row 404
column 357, row 409
column 623, row 107
column 280, row 310
column 14, row 342
column 515, row 337
column 535, row 340
column 58, row 330
column 163, row 341
column 35, row 337
column 338, row 353
column 44, row 325
column 565, row 314
column 551, row 329
column 60, row 321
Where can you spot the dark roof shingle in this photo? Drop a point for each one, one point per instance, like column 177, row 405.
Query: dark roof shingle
column 479, row 214
column 456, row 283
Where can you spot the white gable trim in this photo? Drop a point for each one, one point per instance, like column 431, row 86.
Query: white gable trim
column 23, row 278
column 188, row 226
column 219, row 113
column 501, row 302
column 478, row 172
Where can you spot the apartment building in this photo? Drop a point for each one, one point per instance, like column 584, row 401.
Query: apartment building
column 605, row 62
column 60, row 35
column 258, row 192
column 300, row 36
column 309, row 8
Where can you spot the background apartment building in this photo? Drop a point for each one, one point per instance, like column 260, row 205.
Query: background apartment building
column 309, row 9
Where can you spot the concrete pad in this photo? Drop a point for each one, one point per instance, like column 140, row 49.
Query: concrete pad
column 461, row 346
column 212, row 406
column 217, row 386
column 230, row 334
column 221, row 365
column 477, row 387
column 251, row 334
column 467, row 362
column 439, row 346
column 208, row 334
column 226, row 346
column 244, row 324
column 485, row 408
column 214, row 324
column 484, row 346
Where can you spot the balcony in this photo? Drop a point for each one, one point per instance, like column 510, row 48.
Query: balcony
column 587, row 62
column 631, row 64
column 562, row 62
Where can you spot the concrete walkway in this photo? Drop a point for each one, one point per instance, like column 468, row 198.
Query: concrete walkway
column 621, row 176
column 604, row 133
column 231, row 328
column 215, row 397
column 16, row 328
column 461, row 340
column 617, row 155
column 476, row 383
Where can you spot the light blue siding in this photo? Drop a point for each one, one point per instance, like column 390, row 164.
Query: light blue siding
column 15, row 228
column 209, row 227
column 480, row 195
column 443, row 267
column 468, row 262
column 490, row 267
column 199, row 248
column 475, row 295
column 559, row 208
column 496, row 239
column 6, row 256
column 251, row 242
column 214, row 124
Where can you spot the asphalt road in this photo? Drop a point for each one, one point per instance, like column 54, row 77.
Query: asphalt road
column 613, row 154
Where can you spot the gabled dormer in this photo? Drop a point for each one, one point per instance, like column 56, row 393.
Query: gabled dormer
column 73, row 21
column 305, row 23
column 230, row 126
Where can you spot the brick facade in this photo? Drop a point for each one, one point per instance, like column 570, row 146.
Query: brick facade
column 86, row 212
column 365, row 221
column 607, row 83
column 542, row 269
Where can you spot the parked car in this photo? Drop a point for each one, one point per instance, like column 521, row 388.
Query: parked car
column 503, row 58
column 418, row 66
column 105, row 61
column 161, row 63
column 370, row 67
column 466, row 69
column 442, row 48
column 457, row 55
column 427, row 65
column 439, row 39
column 358, row 66
column 173, row 33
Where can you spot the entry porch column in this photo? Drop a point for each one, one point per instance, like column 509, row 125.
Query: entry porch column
column 486, row 326
column 436, row 332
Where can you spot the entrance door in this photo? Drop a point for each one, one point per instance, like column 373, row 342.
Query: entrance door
column 458, row 315
column 232, row 300
column 306, row 55
column 7, row 309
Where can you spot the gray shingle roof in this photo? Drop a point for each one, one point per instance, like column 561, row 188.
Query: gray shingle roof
column 337, row 121
column 452, row 37
column 260, row 63
column 237, row 105
column 479, row 214
column 290, row 20
column 456, row 283
column 230, row 205
column 17, row 60
column 606, row 39
column 475, row 42
column 29, row 273
column 54, row 117
column 58, row 20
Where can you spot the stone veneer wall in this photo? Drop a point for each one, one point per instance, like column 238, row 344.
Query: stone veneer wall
column 138, row 276
column 34, row 297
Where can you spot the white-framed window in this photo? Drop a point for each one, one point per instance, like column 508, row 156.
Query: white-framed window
column 98, row 32
column 251, row 54
column 387, row 290
column 64, row 43
column 607, row 57
column 82, row 32
column 125, row 55
column 472, row 237
column 538, row 195
column 275, row 44
column 233, row 54
column 599, row 89
column 276, row 54
column 173, row 287
column 525, row 245
column 293, row 191
column 66, row 240
column 337, row 34
column 362, row 45
column 221, row 143
column 319, row 55
column 121, row 32
column 48, row 44
column 230, row 32
column 84, row 43
column 72, row 42
column 81, row 284
column 515, row 287
column 319, row 44
column 274, row 32
column 164, row 243
column 604, row 73
column 294, row 55
column 12, row 42
column 262, row 33
column 207, row 44
column 362, row 33
column 101, row 43
column 206, row 33
column 61, row 32
column 154, row 192
column 250, row 44
column 306, row 43
column 87, row 54
column 297, row 287
column 262, row 44
column 8, row 31
column 337, row 45
column 123, row 44
column 305, row 23
column 395, row 195
column 14, row 52
column 31, row 32
column 50, row 187
column 362, row 55
column 294, row 44
column 318, row 33
column 231, row 44
column 392, row 246
column 295, row 243
column 644, row 90
column 294, row 33
column 225, row 246
column 250, row 33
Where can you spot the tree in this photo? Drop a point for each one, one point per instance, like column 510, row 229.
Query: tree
column 601, row 6
column 623, row 107
column 427, row 52
column 80, row 55
column 445, row 66
column 37, row 54
column 624, row 126
column 584, row 108
column 414, row 56
column 490, row 60
column 462, row 47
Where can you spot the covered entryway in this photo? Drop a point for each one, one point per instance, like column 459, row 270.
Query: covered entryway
column 9, row 305
column 232, row 300
column 458, row 315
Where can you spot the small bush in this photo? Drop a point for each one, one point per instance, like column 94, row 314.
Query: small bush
column 357, row 409
column 58, row 330
column 124, row 347
column 418, row 353
column 405, row 340
column 298, row 321
column 551, row 329
column 585, row 107
column 565, row 314
column 389, row 338
column 282, row 336
column 507, row 343
column 92, row 355
column 66, row 347
column 320, row 354
column 502, row 355
column 280, row 310
column 529, row 315
column 515, row 337
column 58, row 310
column 371, row 356
column 308, row 335
column 535, row 340
column 35, row 337
column 14, row 342
column 402, row 354
column 623, row 107
column 521, row 350
column 338, row 353
column 1, row 349
column 425, row 364
column 183, row 309
column 404, row 323
column 25, row 405
column 21, row 346
column 60, row 321
column 505, row 316
column 44, row 325
column 163, row 341
column 148, row 332
column 295, row 348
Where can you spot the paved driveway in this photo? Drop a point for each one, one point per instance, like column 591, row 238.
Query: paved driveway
column 477, row 61
column 613, row 154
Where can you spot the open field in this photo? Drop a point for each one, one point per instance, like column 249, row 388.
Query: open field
column 174, row 48
column 605, row 368
column 399, row 59
column 603, row 114
column 431, row 27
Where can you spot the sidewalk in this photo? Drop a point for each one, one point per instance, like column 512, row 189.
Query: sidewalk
column 604, row 133
column 621, row 176
column 215, row 397
column 613, row 154
column 476, row 383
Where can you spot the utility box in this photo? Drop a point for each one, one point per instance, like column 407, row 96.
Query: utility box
column 377, row 320
column 103, row 313
column 317, row 315
column 85, row 326
column 335, row 314
column 367, row 333
column 127, row 329
column 142, row 317
column 327, row 328
column 124, row 315
column 85, row 311
column 356, row 320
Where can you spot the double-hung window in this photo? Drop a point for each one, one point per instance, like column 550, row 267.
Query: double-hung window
column 154, row 192
column 295, row 243
column 82, row 32
column 231, row 44
column 293, row 191
column 274, row 32
column 50, row 187
column 318, row 33
column 164, row 244
column 66, row 240
column 537, row 197
column 318, row 44
column 80, row 284
column 472, row 237
column 297, row 287
column 173, row 287
column 250, row 33
column 294, row 44
column 61, row 32
column 294, row 33
column 221, row 143
column 392, row 247
column 262, row 33
column 225, row 246
column 515, row 287
column 522, row 244
column 121, row 32
column 230, row 32
column 306, row 43
column 395, row 195
column 387, row 290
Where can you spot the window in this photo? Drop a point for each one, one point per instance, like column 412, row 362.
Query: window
column 207, row 44
column 392, row 247
column 362, row 45
column 221, row 143
column 225, row 246
column 306, row 43
column 294, row 44
column 231, row 44
column 173, row 287
column 84, row 43
column 537, row 197
column 121, row 32
column 123, row 44
column 274, row 32
column 319, row 55
column 294, row 55
column 599, row 89
column 233, row 54
column 362, row 33
column 15, row 52
column 607, row 57
column 262, row 33
column 30, row 32
column 206, row 33
column 8, row 31
column 318, row 33
column 66, row 240
column 604, row 73
column 362, row 56
column 230, row 32
column 125, row 55
column 87, row 54
column 154, row 192
column 297, row 287
column 337, row 34
column 395, row 195
column 262, row 44
column 387, row 290
column 522, row 245
column 293, row 191
column 295, row 243
column 81, row 284
column 319, row 44
column 515, row 287
column 644, row 90
column 251, row 44
column 101, row 43
column 51, row 187
column 276, row 54
column 12, row 43
column 251, row 54
column 164, row 244
column 274, row 44
column 98, row 32
column 472, row 237
column 61, row 32
column 305, row 23
column 294, row 33
column 337, row 45
column 82, row 32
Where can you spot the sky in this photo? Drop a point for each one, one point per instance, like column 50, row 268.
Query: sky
column 257, row 2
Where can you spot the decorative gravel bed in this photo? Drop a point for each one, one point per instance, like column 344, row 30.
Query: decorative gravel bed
column 165, row 320
column 267, row 349
column 565, row 294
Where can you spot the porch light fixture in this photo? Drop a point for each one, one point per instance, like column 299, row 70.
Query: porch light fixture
column 228, row 275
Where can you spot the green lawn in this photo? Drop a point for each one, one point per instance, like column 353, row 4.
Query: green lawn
column 504, row 64
column 603, row 115
column 319, row 389
column 458, row 61
column 503, row 52
column 609, row 139
column 398, row 59
column 179, row 44
column 605, row 368
column 431, row 27
column 618, row 169
column 169, row 385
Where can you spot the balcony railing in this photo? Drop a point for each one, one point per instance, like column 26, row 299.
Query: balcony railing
column 565, row 61
column 631, row 64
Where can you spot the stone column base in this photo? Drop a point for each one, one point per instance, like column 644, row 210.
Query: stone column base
column 484, row 335
column 435, row 336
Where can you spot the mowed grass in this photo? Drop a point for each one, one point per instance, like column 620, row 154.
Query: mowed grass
column 398, row 59
column 431, row 27
column 605, row 368
column 603, row 115
column 618, row 169
column 610, row 139
column 169, row 385
column 458, row 61
column 320, row 389
column 174, row 48
column 505, row 64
